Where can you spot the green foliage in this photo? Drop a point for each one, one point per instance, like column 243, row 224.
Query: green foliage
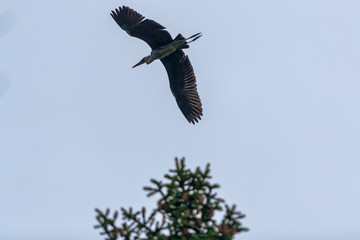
column 185, row 211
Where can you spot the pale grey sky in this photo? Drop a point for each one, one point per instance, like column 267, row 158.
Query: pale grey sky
column 79, row 128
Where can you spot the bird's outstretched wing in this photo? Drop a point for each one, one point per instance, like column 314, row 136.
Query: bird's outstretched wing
column 183, row 85
column 148, row 30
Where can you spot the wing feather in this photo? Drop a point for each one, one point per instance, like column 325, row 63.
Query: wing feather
column 137, row 26
column 183, row 85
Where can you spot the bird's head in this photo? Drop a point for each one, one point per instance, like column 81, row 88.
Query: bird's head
column 144, row 60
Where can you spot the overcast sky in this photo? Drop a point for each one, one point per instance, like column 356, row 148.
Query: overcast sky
column 79, row 128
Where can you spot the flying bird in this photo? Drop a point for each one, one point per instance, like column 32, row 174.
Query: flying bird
column 169, row 51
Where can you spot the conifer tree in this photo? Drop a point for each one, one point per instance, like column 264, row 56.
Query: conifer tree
column 185, row 211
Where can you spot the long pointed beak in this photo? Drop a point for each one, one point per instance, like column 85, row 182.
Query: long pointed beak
column 140, row 63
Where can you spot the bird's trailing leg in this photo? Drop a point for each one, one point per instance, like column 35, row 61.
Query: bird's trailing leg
column 194, row 37
column 184, row 42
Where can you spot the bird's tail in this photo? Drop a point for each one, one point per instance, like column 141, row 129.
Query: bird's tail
column 193, row 38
